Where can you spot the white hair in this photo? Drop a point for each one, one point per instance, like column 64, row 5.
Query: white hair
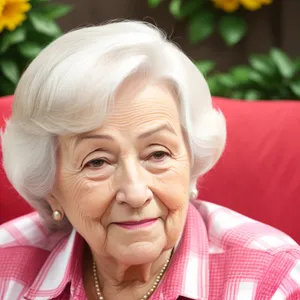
column 68, row 89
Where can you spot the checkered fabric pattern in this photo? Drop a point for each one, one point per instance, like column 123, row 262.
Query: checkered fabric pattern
column 222, row 255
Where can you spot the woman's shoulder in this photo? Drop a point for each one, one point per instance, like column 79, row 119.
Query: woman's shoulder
column 28, row 231
column 228, row 229
column 25, row 245
column 251, row 256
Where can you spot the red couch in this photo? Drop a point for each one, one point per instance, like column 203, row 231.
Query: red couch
column 258, row 175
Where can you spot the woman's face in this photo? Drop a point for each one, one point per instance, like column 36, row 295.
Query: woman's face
column 124, row 186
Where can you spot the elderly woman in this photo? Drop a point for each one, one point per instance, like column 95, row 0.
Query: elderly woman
column 111, row 126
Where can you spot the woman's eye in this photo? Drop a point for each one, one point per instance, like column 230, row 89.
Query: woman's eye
column 159, row 155
column 95, row 163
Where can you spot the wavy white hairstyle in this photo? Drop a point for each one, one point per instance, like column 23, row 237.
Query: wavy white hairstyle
column 68, row 90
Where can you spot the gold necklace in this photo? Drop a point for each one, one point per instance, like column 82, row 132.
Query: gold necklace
column 149, row 293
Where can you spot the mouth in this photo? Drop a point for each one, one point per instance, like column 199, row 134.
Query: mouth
column 136, row 224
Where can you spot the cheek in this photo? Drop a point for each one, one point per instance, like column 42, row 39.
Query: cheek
column 95, row 199
column 173, row 193
column 86, row 198
column 172, row 187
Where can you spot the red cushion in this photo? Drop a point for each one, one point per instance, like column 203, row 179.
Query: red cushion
column 259, row 173
column 11, row 204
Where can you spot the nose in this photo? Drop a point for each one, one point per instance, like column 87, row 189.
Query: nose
column 133, row 189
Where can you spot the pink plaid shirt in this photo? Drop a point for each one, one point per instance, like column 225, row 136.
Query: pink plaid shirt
column 222, row 255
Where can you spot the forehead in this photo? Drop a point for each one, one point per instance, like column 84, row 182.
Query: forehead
column 139, row 102
column 139, row 105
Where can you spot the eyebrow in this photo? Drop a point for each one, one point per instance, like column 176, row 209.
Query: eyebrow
column 79, row 139
column 161, row 127
column 144, row 135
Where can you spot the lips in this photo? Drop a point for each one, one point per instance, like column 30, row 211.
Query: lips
column 136, row 224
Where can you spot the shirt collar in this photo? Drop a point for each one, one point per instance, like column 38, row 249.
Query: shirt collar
column 188, row 271
column 62, row 266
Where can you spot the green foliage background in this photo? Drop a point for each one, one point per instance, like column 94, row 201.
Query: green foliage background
column 19, row 47
column 204, row 19
column 270, row 76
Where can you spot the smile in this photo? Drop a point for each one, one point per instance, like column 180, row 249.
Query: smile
column 136, row 224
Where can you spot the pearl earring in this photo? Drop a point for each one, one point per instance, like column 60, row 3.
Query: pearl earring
column 194, row 194
column 57, row 215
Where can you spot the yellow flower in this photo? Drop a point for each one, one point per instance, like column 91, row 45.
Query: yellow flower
column 1, row 5
column 227, row 5
column 265, row 2
column 252, row 4
column 13, row 13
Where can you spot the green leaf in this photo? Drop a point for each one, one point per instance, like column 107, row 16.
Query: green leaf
column 214, row 85
column 55, row 11
column 283, row 63
column 241, row 74
column 10, row 70
column 201, row 26
column 295, row 87
column 175, row 8
column 154, row 3
column 284, row 92
column 232, row 29
column 29, row 49
column 181, row 9
column 258, row 78
column 237, row 95
column 44, row 25
column 263, row 64
column 12, row 38
column 189, row 8
column 227, row 80
column 296, row 66
column 252, row 95
column 205, row 66
column 6, row 87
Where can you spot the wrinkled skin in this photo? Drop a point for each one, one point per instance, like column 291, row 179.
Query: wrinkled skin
column 135, row 167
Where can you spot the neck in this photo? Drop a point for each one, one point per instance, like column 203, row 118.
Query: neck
column 122, row 281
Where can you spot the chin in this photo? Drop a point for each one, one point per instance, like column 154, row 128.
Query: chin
column 138, row 253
